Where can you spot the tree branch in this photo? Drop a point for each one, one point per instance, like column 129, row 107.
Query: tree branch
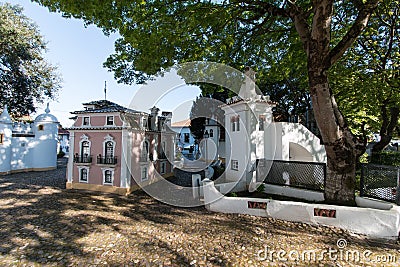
column 300, row 21
column 359, row 25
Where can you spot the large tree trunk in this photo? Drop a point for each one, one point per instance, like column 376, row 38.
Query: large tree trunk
column 341, row 147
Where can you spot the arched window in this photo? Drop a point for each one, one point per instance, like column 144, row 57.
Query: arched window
column 109, row 153
column 261, row 120
column 211, row 133
column 84, row 151
column 145, row 151
column 40, row 127
column 85, row 148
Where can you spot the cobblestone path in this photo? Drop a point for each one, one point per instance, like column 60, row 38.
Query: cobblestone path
column 41, row 224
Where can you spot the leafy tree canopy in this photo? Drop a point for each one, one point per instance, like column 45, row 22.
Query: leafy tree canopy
column 366, row 82
column 25, row 77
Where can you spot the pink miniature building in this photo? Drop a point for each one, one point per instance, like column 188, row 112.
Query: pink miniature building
column 117, row 149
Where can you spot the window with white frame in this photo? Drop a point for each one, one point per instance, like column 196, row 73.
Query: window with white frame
column 144, row 122
column 163, row 167
column 109, row 149
column 108, row 176
column 85, row 148
column 235, row 123
column 86, row 121
column 261, row 122
column 144, row 175
column 110, row 120
column 83, row 174
column 145, row 150
column 234, row 165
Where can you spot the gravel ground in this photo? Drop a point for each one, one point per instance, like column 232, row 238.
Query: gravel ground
column 41, row 224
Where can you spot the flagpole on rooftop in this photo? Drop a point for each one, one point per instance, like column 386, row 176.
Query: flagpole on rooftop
column 105, row 90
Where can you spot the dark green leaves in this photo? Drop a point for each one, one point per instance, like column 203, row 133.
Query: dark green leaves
column 25, row 77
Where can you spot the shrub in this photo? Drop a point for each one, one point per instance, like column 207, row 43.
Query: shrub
column 60, row 154
column 261, row 188
column 391, row 158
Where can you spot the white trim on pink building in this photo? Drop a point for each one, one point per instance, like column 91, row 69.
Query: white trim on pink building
column 113, row 158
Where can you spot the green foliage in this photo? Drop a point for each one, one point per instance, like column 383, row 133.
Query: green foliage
column 363, row 158
column 391, row 158
column 366, row 80
column 232, row 194
column 25, row 77
column 204, row 108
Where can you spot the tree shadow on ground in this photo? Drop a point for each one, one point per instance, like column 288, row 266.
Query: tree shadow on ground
column 41, row 224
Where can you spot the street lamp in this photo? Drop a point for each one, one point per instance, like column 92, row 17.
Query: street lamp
column 206, row 135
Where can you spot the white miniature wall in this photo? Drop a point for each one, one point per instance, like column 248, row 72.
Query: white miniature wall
column 367, row 220
column 5, row 148
column 22, row 153
column 295, row 142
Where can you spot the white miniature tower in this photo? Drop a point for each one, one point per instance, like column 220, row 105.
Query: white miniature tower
column 247, row 118
column 5, row 141
column 212, row 130
column 46, row 133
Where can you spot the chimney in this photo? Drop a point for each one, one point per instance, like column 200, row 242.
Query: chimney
column 154, row 117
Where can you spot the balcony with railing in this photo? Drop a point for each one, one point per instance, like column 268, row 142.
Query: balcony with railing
column 108, row 160
column 86, row 159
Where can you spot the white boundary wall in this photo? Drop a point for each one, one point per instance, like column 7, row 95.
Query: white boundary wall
column 375, row 219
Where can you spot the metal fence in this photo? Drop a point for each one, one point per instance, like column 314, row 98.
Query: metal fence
column 380, row 182
column 307, row 175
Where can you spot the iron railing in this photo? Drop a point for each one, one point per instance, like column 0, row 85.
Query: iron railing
column 82, row 158
column 161, row 155
column 306, row 175
column 106, row 160
column 380, row 182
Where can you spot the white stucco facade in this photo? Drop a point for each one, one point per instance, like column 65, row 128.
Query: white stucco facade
column 28, row 146
column 252, row 134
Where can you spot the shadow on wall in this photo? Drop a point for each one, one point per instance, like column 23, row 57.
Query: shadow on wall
column 302, row 144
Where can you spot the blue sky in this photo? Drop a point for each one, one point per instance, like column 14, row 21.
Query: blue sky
column 79, row 53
